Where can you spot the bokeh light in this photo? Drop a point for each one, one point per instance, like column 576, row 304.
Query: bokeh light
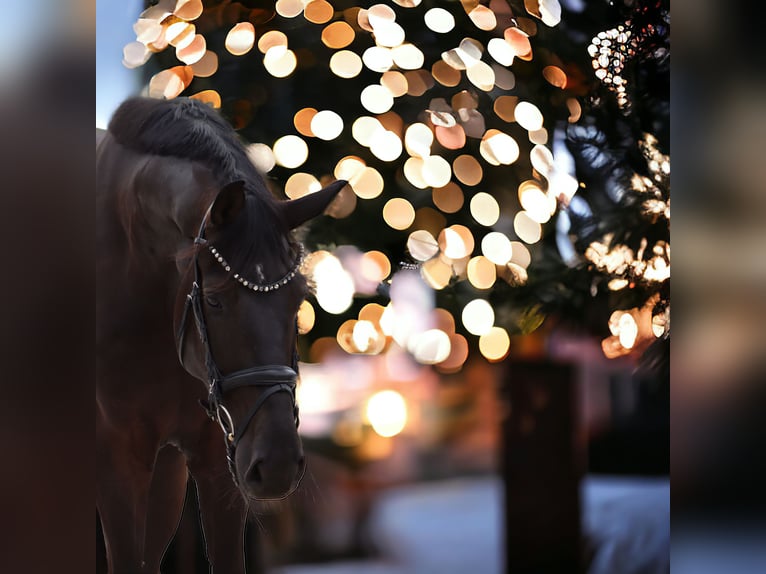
column 240, row 39
column 326, row 125
column 386, row 411
column 421, row 245
column 478, row 317
column 398, row 213
column 485, row 209
column 290, row 151
column 346, row 64
column 497, row 248
column 495, row 344
column 481, row 272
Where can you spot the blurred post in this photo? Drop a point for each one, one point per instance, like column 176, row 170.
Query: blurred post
column 541, row 464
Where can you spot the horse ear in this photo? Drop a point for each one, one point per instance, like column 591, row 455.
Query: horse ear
column 228, row 203
column 298, row 211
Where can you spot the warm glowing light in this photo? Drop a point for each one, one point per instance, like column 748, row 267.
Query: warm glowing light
column 398, row 213
column 504, row 107
column 279, row 62
column 521, row 255
column 289, row 8
column 497, row 248
column 627, row 330
column 380, row 14
column 207, row 65
column 501, row 51
column 346, row 64
column 376, row 99
column 482, row 76
column 210, row 97
column 436, row 171
column 536, row 202
column 366, row 337
column 422, row 245
column 408, row 57
column 368, row 183
column 495, row 344
column 481, row 272
column 387, row 413
column 386, row 145
column 431, row 347
column 445, row 74
column 561, row 185
column 364, row 128
column 418, row 82
column 528, row 116
column 389, row 34
column 188, row 9
column 318, row 11
column 338, row 35
column 375, row 266
column 418, row 139
column 467, row 169
column 170, row 83
column 306, row 318
column 478, row 317
column 395, row 82
column 378, row 59
column 180, row 34
column 272, row 39
column 458, row 354
column 456, row 241
column 449, row 198
column 539, row 137
column 485, row 209
column 439, row 20
column 240, row 39
column 436, row 273
column 302, row 121
column 326, row 125
column 413, row 171
column 262, row 157
column 555, row 76
column 542, row 159
column 193, row 52
column 300, row 184
column 334, row 285
column 499, row 148
column 518, row 40
column 527, row 228
column 483, row 18
column 348, row 167
column 290, row 151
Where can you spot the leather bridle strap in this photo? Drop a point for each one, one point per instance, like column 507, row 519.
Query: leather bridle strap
column 274, row 378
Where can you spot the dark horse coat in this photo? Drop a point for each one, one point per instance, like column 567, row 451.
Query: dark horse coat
column 169, row 171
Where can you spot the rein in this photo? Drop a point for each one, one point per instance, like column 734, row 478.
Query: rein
column 272, row 378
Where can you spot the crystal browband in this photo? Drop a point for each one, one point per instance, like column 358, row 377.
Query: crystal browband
column 262, row 287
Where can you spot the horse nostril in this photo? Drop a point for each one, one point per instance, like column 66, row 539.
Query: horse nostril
column 254, row 473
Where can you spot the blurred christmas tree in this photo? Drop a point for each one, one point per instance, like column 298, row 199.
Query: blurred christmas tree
column 513, row 152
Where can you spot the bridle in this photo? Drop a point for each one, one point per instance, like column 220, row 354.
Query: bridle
column 273, row 378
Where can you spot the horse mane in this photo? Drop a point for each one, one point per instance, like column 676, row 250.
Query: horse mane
column 189, row 129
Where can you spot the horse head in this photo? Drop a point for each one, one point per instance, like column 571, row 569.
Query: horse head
column 236, row 330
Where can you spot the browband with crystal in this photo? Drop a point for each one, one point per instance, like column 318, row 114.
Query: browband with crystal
column 261, row 287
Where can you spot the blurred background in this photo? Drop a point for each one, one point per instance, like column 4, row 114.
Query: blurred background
column 549, row 440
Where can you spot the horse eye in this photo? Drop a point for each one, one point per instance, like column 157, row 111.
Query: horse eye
column 212, row 301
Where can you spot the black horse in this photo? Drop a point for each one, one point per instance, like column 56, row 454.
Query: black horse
column 198, row 290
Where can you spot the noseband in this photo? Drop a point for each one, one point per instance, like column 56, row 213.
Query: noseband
column 272, row 378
